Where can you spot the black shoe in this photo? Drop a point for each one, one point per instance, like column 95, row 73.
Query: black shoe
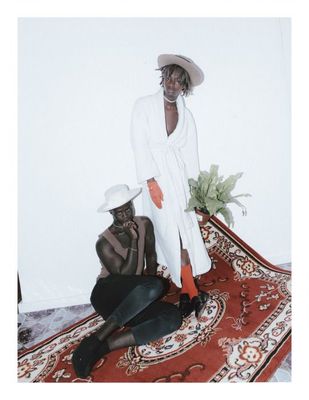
column 89, row 351
column 185, row 305
column 204, row 296
column 199, row 303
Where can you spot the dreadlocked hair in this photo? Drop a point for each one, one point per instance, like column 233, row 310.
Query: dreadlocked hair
column 168, row 70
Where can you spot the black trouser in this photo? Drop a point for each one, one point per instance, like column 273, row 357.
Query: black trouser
column 132, row 300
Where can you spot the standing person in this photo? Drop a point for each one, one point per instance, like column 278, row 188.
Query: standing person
column 164, row 142
column 126, row 294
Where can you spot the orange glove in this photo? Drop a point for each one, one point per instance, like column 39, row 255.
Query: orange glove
column 155, row 193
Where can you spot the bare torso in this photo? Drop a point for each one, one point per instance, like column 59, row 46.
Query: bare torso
column 116, row 264
column 171, row 118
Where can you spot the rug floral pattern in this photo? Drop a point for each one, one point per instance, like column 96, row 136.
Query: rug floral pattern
column 243, row 335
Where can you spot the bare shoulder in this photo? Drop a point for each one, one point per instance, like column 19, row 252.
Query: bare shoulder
column 102, row 244
column 146, row 221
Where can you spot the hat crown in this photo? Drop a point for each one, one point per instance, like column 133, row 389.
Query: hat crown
column 184, row 58
column 116, row 192
column 117, row 196
column 194, row 71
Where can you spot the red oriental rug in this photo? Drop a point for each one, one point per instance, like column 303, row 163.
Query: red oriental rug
column 243, row 335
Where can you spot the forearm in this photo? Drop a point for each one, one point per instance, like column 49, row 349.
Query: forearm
column 130, row 264
column 150, row 249
column 151, row 265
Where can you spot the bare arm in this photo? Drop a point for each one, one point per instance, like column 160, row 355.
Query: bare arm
column 150, row 249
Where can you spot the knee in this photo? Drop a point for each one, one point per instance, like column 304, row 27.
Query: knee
column 93, row 297
column 96, row 300
column 165, row 283
column 152, row 288
column 175, row 319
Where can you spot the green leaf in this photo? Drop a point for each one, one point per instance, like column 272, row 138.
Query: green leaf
column 192, row 182
column 243, row 208
column 211, row 191
column 227, row 215
column 224, row 197
column 243, row 195
column 229, row 184
column 213, row 205
column 192, row 204
column 213, row 172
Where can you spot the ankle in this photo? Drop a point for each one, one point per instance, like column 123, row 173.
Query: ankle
column 121, row 340
column 188, row 284
column 109, row 326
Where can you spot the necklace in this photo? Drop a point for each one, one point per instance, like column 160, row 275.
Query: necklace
column 118, row 226
column 169, row 101
column 121, row 227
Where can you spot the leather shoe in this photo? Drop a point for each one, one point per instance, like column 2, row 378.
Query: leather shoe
column 185, row 305
column 199, row 303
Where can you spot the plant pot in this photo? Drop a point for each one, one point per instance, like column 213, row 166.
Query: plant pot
column 203, row 216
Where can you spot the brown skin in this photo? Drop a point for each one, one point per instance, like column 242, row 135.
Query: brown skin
column 126, row 231
column 105, row 339
column 172, row 88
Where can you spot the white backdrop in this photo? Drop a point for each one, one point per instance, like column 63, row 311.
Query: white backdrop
column 78, row 80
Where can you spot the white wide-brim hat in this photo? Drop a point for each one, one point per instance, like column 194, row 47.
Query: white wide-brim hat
column 117, row 196
column 194, row 71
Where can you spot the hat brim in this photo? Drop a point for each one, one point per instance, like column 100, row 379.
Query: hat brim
column 194, row 71
column 111, row 205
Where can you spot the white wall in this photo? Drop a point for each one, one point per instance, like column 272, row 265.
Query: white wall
column 78, row 80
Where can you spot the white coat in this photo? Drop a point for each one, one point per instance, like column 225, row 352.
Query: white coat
column 171, row 160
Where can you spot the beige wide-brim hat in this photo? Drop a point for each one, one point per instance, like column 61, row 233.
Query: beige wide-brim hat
column 194, row 71
column 117, row 196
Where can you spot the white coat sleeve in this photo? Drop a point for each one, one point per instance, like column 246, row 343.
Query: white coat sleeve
column 146, row 166
column 190, row 149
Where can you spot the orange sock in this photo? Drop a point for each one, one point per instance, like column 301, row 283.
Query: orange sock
column 188, row 285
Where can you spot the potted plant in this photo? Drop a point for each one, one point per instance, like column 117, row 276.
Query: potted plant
column 211, row 194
